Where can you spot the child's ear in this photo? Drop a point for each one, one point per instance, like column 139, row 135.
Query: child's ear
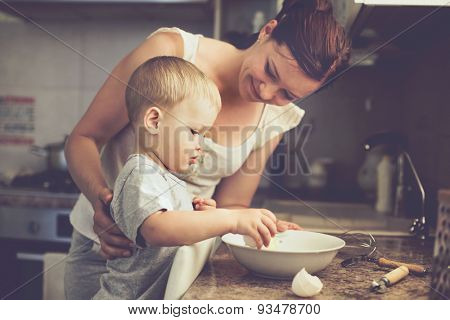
column 152, row 118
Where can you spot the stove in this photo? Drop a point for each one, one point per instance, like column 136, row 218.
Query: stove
column 47, row 180
column 34, row 220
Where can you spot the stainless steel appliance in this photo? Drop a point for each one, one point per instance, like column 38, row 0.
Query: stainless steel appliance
column 55, row 181
column 54, row 152
column 441, row 258
column 31, row 224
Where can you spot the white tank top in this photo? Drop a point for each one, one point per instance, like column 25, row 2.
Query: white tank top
column 219, row 161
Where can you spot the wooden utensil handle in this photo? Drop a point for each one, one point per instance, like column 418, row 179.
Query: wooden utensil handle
column 396, row 275
column 383, row 262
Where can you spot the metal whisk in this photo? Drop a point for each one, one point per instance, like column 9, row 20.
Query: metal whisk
column 358, row 244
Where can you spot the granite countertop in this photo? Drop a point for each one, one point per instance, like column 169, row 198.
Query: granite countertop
column 224, row 278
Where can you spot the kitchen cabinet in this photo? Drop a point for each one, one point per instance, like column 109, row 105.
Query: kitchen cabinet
column 188, row 10
column 443, row 162
column 444, row 116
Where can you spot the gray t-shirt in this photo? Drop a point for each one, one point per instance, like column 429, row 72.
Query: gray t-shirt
column 141, row 189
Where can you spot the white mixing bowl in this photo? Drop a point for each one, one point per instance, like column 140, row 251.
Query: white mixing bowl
column 293, row 251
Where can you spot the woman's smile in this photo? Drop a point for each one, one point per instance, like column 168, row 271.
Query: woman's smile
column 253, row 90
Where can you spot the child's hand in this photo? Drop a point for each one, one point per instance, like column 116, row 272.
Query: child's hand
column 259, row 224
column 284, row 225
column 201, row 204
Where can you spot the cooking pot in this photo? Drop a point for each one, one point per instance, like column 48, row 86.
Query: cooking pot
column 54, row 153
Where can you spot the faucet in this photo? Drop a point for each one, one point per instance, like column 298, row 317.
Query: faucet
column 419, row 226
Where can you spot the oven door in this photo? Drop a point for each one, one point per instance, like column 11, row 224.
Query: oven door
column 20, row 274
column 26, row 234
column 21, row 270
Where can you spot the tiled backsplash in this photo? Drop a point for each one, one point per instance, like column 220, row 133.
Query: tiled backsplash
column 394, row 95
column 46, row 66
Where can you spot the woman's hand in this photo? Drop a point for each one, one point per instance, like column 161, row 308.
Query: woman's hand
column 201, row 204
column 285, row 225
column 113, row 243
column 259, row 224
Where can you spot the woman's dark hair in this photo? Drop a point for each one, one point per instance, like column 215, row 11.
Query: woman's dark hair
column 316, row 40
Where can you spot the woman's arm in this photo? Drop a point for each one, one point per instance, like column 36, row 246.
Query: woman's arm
column 237, row 190
column 105, row 117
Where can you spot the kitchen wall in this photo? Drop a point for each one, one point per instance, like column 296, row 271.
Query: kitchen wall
column 240, row 16
column 426, row 110
column 407, row 92
column 363, row 101
column 46, row 65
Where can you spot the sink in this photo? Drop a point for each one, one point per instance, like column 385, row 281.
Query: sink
column 336, row 218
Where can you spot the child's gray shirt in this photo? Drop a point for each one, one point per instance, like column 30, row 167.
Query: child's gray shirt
column 141, row 189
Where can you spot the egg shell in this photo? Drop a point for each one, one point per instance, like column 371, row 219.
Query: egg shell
column 305, row 285
column 273, row 245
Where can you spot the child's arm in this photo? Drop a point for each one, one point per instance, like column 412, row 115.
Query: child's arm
column 201, row 204
column 175, row 228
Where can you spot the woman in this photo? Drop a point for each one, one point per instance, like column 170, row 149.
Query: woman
column 291, row 57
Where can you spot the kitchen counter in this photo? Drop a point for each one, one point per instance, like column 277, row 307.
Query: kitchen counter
column 36, row 199
column 225, row 279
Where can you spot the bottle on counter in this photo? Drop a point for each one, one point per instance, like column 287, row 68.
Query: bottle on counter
column 385, row 185
column 400, row 191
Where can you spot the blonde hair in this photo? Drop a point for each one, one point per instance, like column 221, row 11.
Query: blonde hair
column 166, row 81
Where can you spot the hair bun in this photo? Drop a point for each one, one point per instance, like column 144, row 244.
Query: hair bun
column 290, row 6
column 323, row 5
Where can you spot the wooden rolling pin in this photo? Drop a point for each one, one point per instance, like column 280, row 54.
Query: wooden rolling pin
column 389, row 279
column 414, row 268
column 395, row 275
